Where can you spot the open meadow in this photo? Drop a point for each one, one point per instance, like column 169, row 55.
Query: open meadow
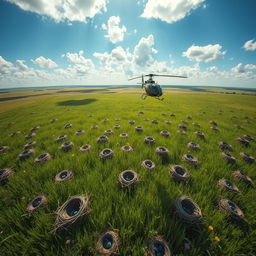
column 141, row 211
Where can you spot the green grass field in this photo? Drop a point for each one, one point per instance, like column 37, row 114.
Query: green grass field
column 135, row 214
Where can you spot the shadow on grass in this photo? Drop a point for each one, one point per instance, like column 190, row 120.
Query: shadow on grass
column 76, row 102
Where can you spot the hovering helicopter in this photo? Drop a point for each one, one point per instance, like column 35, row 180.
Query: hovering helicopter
column 152, row 88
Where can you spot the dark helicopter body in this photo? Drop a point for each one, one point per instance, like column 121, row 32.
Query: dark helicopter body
column 152, row 88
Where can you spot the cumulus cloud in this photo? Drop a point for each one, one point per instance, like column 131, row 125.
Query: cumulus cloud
column 250, row 66
column 239, row 68
column 170, row 11
column 5, row 66
column 250, row 45
column 42, row 62
column 206, row 53
column 61, row 10
column 21, row 66
column 115, row 33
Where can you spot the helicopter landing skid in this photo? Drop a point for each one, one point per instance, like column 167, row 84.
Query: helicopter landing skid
column 144, row 96
column 159, row 98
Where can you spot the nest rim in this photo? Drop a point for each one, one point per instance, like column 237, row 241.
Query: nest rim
column 148, row 165
column 30, row 144
column 139, row 129
column 161, row 244
column 26, row 154
column 43, row 158
column 149, row 140
column 189, row 159
column 30, row 136
column 108, row 132
column 199, row 134
column 127, row 148
column 61, row 138
column 85, row 148
column 59, row 178
column 106, row 153
column 243, row 177
column 66, row 146
column 117, row 126
column 112, row 239
column 68, row 126
column 165, row 133
column 154, row 122
column 95, row 126
column 5, row 173
column 232, row 209
column 225, row 145
column 193, row 146
column 182, row 126
column 243, row 141
column 247, row 157
column 162, row 151
column 231, row 159
column 102, row 139
column 123, row 135
column 179, row 173
column 37, row 203
column 4, row 149
column 128, row 178
column 228, row 185
column 79, row 132
column 131, row 122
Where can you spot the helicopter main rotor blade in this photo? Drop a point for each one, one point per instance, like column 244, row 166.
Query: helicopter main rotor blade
column 134, row 78
column 167, row 76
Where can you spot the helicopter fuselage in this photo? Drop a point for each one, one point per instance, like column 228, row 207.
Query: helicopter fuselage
column 152, row 88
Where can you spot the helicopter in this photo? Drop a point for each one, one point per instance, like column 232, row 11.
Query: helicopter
column 152, row 88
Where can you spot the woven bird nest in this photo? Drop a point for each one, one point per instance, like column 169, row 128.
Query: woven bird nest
column 196, row 125
column 187, row 210
column 146, row 119
column 127, row 148
column 149, row 140
column 85, row 148
column 178, row 173
column 15, row 133
column 108, row 243
column 105, row 120
column 94, row 126
column 225, row 145
column 5, row 174
column 148, row 165
column 67, row 126
column 30, row 145
column 243, row 177
column 118, row 119
column 162, row 151
column 141, row 113
column 128, row 178
column 4, row 149
column 168, row 122
column 138, row 129
column 154, row 122
column 66, row 146
column 248, row 137
column 193, row 146
column 182, row 132
column 108, row 132
column 123, row 135
column 157, row 246
column 43, row 158
column 26, row 154
column 182, row 126
column 213, row 123
column 61, row 138
column 90, row 115
column 34, row 128
column 231, row 209
column 239, row 127
column 72, row 211
column 243, row 141
column 248, row 158
column 64, row 176
column 189, row 117
column 189, row 159
column 54, row 120
column 199, row 134
column 214, row 128
column 29, row 136
column 106, row 153
column 79, row 132
column 102, row 139
column 231, row 159
column 37, row 203
column 165, row 133
column 131, row 122
column 184, row 121
column 228, row 185
column 163, row 114
column 172, row 114
column 117, row 126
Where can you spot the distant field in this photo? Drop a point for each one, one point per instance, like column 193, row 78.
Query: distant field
column 135, row 214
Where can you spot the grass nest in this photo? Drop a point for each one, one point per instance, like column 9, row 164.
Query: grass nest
column 4, row 149
column 30, row 145
column 225, row 145
column 228, row 185
column 108, row 132
column 163, row 114
column 37, row 203
column 102, row 139
column 79, row 132
column 141, row 113
column 248, row 137
column 15, row 133
column 165, row 133
column 187, row 210
column 184, row 121
column 213, row 123
column 123, row 135
column 243, row 177
column 162, row 151
column 214, row 128
column 72, row 211
column 154, row 122
column 64, row 176
column 139, row 129
column 127, row 148
column 5, row 174
column 106, row 153
column 172, row 114
column 66, row 146
column 26, row 154
column 117, row 126
column 168, row 122
column 43, row 158
column 54, row 121
column 231, row 159
column 128, row 178
column 196, row 125
column 239, row 127
column 182, row 126
column 146, row 119
column 199, row 134
column 148, row 165
column 243, row 141
column 182, row 132
column 105, row 120
column 61, row 138
column 68, row 126
column 94, row 126
column 131, row 122
column 29, row 136
column 149, row 140
column 178, row 173
column 231, row 209
column 108, row 243
column 118, row 119
column 189, row 117
column 190, row 159
column 34, row 128
column 193, row 146
column 85, row 148
column 157, row 246
column 248, row 158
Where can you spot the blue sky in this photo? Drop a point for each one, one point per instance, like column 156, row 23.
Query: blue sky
column 87, row 42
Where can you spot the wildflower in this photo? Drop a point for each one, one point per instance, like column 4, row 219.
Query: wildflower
column 68, row 241
column 216, row 238
column 210, row 227
column 187, row 246
column 24, row 171
column 73, row 155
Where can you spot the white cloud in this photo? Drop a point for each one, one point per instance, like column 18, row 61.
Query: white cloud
column 21, row 66
column 170, row 11
column 44, row 63
column 5, row 66
column 213, row 69
column 61, row 10
column 114, row 32
column 250, row 66
column 239, row 68
column 250, row 45
column 206, row 53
